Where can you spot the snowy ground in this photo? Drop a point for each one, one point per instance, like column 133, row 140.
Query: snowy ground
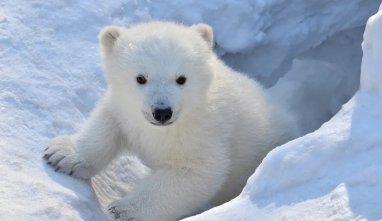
column 51, row 77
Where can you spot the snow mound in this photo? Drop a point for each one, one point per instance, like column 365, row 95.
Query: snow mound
column 371, row 79
column 51, row 78
column 334, row 173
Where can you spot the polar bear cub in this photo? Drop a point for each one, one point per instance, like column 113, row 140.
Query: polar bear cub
column 200, row 126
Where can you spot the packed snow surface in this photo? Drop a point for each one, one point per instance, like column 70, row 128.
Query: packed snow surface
column 51, row 78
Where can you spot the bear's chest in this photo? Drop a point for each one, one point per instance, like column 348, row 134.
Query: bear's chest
column 153, row 151
column 177, row 147
column 159, row 148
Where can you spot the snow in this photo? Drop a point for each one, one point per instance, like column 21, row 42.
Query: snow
column 51, row 78
column 370, row 81
column 331, row 174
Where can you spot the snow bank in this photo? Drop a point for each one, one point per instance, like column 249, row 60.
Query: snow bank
column 51, row 77
column 371, row 79
column 334, row 173
column 322, row 79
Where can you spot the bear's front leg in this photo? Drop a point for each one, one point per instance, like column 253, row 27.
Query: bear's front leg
column 170, row 194
column 86, row 153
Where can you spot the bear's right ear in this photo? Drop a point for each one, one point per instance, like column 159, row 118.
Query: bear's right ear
column 107, row 38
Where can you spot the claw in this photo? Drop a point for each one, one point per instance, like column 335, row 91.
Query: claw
column 49, row 163
column 60, row 160
column 114, row 212
column 72, row 170
column 57, row 168
column 47, row 156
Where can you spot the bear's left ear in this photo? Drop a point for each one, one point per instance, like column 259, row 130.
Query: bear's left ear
column 206, row 32
column 107, row 38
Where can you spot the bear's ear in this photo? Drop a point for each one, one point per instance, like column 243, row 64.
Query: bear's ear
column 206, row 32
column 107, row 38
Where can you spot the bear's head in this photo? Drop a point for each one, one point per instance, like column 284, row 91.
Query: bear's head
column 159, row 71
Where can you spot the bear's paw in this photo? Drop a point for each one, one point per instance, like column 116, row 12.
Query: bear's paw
column 123, row 210
column 61, row 156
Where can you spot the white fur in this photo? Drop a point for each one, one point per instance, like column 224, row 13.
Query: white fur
column 223, row 123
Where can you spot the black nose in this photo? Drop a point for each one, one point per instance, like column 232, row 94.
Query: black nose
column 162, row 115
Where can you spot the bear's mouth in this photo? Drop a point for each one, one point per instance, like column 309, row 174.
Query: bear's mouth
column 152, row 121
column 161, row 124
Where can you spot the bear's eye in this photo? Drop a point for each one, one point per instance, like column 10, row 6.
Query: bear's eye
column 181, row 80
column 141, row 79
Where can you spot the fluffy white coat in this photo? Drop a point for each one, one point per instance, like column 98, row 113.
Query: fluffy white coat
column 223, row 123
